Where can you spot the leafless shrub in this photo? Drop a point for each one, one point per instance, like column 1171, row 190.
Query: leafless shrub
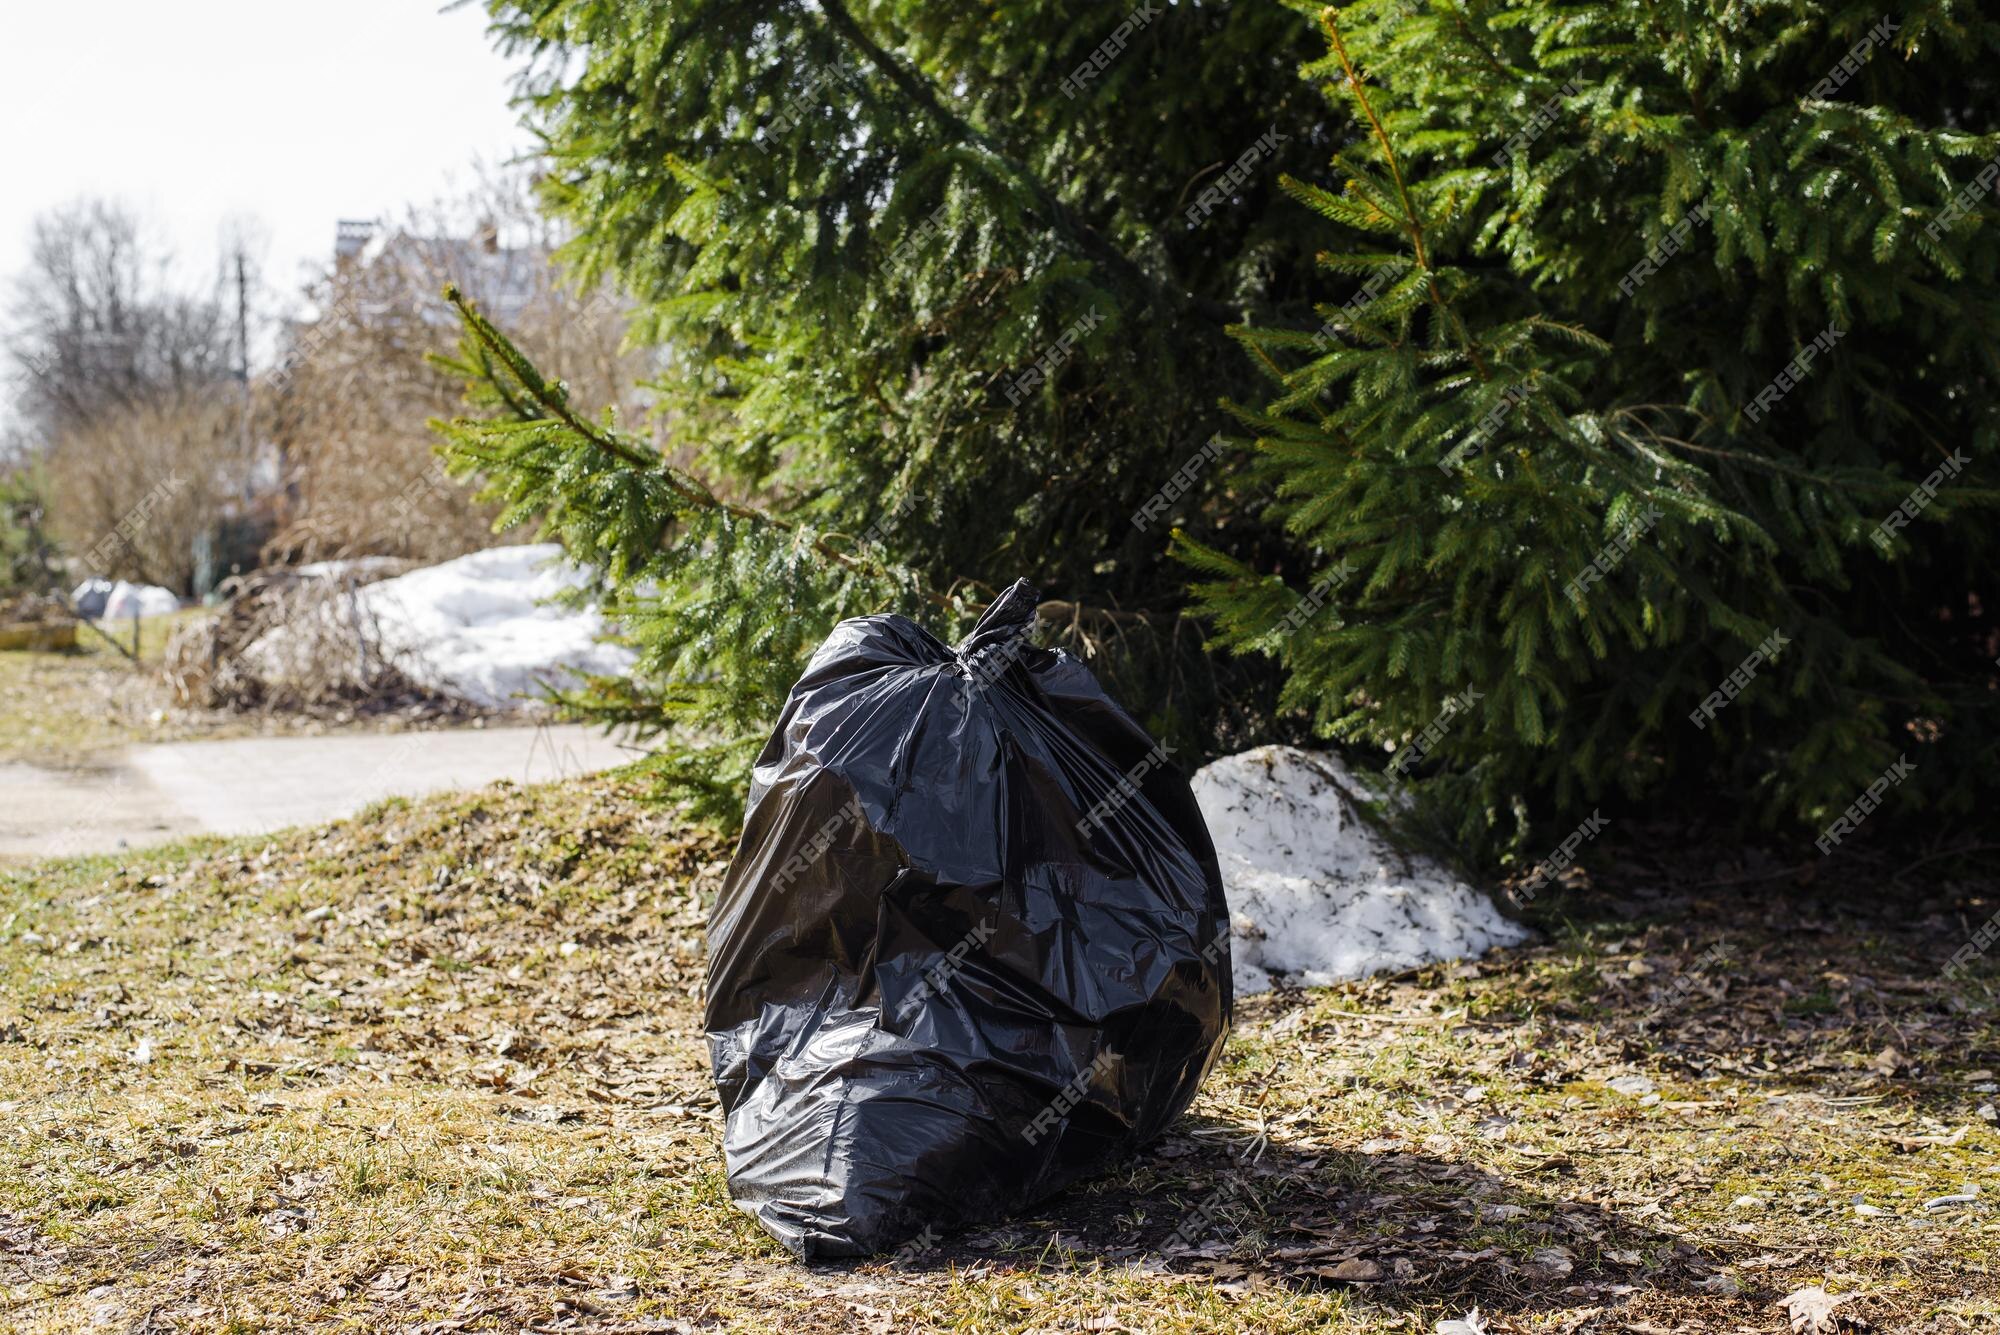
column 132, row 489
column 299, row 644
column 129, row 406
column 351, row 399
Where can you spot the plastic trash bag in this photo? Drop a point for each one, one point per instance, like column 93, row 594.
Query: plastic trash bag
column 90, row 597
column 139, row 600
column 972, row 948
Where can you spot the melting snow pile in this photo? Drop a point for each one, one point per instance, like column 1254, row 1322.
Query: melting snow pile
column 481, row 627
column 359, row 569
column 1316, row 895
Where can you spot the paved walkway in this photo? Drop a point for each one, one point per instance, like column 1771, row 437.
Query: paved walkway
column 251, row 785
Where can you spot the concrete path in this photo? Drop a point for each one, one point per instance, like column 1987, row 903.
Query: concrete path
column 252, row 785
column 49, row 813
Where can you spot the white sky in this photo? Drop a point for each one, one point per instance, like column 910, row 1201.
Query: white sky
column 285, row 114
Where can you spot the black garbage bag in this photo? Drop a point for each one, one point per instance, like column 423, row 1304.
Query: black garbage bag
column 90, row 598
column 972, row 948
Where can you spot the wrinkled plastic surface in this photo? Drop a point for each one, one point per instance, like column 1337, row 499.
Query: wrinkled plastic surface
column 973, row 946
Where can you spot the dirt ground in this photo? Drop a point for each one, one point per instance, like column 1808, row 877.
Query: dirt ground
column 439, row 1068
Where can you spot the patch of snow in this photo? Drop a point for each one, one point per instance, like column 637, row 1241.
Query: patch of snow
column 125, row 601
column 481, row 627
column 1316, row 894
column 361, row 568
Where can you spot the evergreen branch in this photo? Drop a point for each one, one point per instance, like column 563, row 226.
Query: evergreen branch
column 1632, row 413
column 1087, row 237
column 1410, row 217
column 547, row 396
column 696, row 493
column 690, row 489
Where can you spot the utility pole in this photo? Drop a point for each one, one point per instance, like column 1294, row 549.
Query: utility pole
column 243, row 364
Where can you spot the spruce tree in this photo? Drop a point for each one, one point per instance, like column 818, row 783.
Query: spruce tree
column 942, row 289
column 1553, row 435
column 1628, row 331
column 27, row 556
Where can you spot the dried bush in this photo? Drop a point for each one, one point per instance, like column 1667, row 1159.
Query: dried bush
column 131, row 490
column 349, row 406
column 292, row 643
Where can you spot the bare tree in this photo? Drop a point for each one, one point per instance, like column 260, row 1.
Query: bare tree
column 98, row 325
column 127, row 394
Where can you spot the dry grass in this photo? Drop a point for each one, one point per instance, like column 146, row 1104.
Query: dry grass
column 57, row 707
column 64, row 709
column 440, row 1068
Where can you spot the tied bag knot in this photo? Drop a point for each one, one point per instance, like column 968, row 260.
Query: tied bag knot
column 1001, row 636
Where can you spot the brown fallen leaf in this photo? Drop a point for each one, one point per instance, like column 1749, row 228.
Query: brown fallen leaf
column 1549, row 1264
column 1811, row 1310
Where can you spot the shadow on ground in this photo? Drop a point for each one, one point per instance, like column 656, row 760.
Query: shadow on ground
column 1215, row 1199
